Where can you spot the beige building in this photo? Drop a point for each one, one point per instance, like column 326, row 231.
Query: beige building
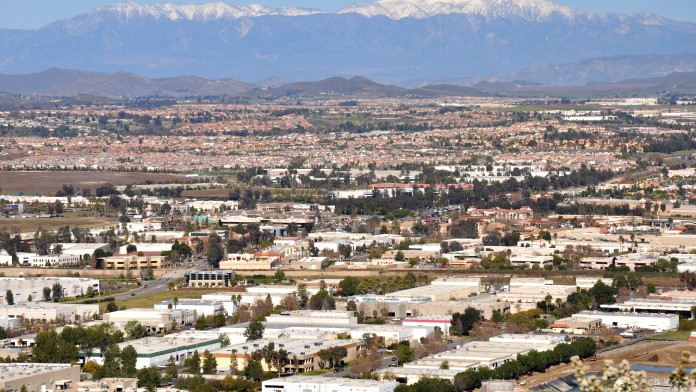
column 39, row 377
column 154, row 320
column 250, row 261
column 109, row 385
column 135, row 261
column 576, row 325
column 303, row 354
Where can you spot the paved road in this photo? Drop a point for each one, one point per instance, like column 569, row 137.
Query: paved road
column 159, row 284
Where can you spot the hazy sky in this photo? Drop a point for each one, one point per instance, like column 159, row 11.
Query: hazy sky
column 28, row 14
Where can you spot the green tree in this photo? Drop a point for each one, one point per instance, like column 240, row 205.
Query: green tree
column 215, row 250
column 47, row 293
column 129, row 357
column 56, row 292
column 254, row 330
column 112, row 362
column 349, row 286
column 149, row 378
column 209, row 363
column 51, row 348
column 171, row 371
column 302, row 295
column 404, row 353
column 9, row 297
column 134, row 329
column 254, row 370
column 111, row 307
column 193, row 363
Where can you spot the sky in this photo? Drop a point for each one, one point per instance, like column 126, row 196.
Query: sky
column 31, row 14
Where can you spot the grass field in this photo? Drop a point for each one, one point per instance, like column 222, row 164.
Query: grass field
column 674, row 335
column 150, row 300
column 25, row 225
column 46, row 183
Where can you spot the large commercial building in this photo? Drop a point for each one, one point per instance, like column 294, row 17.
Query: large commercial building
column 250, row 261
column 314, row 317
column 301, row 383
column 401, row 307
column 155, row 351
column 492, row 354
column 134, row 261
column 23, row 288
column 199, row 307
column 209, row 278
column 303, row 354
column 50, row 311
column 663, row 322
column 39, row 377
column 674, row 305
column 154, row 320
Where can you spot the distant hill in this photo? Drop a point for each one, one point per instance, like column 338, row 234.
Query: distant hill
column 359, row 87
column 62, row 82
column 443, row 90
column 604, row 70
column 674, row 83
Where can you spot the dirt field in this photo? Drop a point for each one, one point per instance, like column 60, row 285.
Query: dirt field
column 653, row 353
column 46, row 183
column 31, row 225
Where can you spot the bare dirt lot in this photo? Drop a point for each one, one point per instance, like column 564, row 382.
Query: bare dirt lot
column 31, row 225
column 46, row 183
column 653, row 353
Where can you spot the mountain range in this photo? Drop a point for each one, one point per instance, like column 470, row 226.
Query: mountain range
column 61, row 82
column 89, row 86
column 389, row 41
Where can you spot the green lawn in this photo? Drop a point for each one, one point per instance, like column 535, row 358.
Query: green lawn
column 150, row 300
column 317, row 372
column 674, row 335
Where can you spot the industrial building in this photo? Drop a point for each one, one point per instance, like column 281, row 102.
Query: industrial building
column 314, row 317
column 154, row 320
column 199, row 307
column 674, row 305
column 24, row 288
column 50, row 311
column 401, row 307
column 301, row 383
column 303, row 354
column 656, row 322
column 576, row 325
column 492, row 354
column 155, row 351
column 39, row 377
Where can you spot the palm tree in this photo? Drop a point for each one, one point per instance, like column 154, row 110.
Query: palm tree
column 175, row 300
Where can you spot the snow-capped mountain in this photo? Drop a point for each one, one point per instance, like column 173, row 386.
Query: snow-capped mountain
column 386, row 40
column 197, row 12
column 533, row 10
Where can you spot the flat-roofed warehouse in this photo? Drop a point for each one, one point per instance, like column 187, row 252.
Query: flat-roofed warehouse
column 302, row 353
column 664, row 322
column 39, row 377
column 155, row 351
column 493, row 353
column 301, row 383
